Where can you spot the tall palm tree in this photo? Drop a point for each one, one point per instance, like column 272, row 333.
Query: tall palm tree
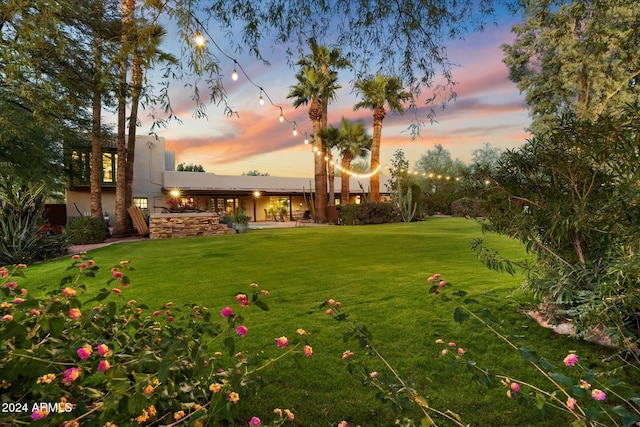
column 378, row 92
column 307, row 92
column 354, row 142
column 121, row 224
column 145, row 53
column 331, row 138
column 325, row 62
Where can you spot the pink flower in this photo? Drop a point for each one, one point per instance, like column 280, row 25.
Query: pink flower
column 4, row 273
column 76, row 257
column 515, row 387
column 116, row 274
column 23, row 292
column 156, row 313
column 11, row 285
column 461, row 351
column 84, row 352
column 289, row 415
column 234, row 397
column 445, row 352
column 241, row 330
column 347, row 354
column 226, row 312
column 308, row 351
column 83, row 265
column 254, row 285
column 329, row 312
column 254, row 422
column 103, row 365
column 442, row 284
column 451, row 344
column 116, row 291
column 242, row 299
column 91, row 262
column 343, row 424
column 373, row 374
column 571, row 359
column 584, row 385
column 71, row 374
column 571, row 403
column 7, row 318
column 439, row 341
column 39, row 413
column 598, row 394
column 282, row 342
column 34, row 312
column 18, row 300
column 103, row 350
column 69, row 292
column 75, row 313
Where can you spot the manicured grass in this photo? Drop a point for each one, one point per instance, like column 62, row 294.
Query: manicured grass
column 379, row 275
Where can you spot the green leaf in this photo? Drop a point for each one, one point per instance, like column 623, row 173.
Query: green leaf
column 136, row 404
column 459, row 315
column 562, row 379
column 527, row 354
column 65, row 280
column 460, row 293
column 262, row 305
column 230, row 344
column 470, row 301
column 635, row 400
column 545, row 364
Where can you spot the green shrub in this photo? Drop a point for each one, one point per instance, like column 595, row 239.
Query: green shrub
column 369, row 213
column 22, row 236
column 86, row 229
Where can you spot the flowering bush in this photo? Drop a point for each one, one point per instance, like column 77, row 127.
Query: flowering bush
column 68, row 359
column 587, row 404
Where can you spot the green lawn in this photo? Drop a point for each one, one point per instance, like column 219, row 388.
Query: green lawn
column 379, row 275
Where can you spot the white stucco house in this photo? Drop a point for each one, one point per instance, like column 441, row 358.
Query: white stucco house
column 157, row 186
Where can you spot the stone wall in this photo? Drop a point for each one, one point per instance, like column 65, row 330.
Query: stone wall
column 173, row 225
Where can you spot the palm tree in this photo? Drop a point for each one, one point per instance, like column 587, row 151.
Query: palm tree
column 331, row 138
column 322, row 89
column 144, row 55
column 307, row 92
column 377, row 92
column 354, row 142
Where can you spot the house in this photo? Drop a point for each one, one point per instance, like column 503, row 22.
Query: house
column 158, row 187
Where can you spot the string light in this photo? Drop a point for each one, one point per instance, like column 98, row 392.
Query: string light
column 200, row 42
column 199, row 39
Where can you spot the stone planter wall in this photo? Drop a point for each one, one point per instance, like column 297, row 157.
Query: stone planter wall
column 173, row 225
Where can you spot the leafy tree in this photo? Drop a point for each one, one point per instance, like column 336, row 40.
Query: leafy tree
column 377, row 93
column 571, row 196
column 442, row 178
column 255, row 173
column 183, row 167
column 579, row 56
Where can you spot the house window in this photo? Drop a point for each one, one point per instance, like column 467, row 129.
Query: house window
column 109, row 168
column 141, row 202
column 80, row 167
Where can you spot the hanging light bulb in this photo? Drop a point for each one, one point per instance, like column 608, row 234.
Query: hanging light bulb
column 261, row 100
column 199, row 39
column 281, row 116
column 295, row 130
column 234, row 74
column 306, row 139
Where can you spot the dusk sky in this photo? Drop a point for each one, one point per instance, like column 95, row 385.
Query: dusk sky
column 488, row 108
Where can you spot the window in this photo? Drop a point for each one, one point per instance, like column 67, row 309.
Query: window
column 109, row 168
column 141, row 202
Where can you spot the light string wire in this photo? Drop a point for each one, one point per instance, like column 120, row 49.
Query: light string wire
column 200, row 42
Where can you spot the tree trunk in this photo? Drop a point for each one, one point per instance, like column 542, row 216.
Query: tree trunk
column 96, row 139
column 332, row 176
column 136, row 89
column 345, row 191
column 375, row 160
column 120, row 228
column 320, row 176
